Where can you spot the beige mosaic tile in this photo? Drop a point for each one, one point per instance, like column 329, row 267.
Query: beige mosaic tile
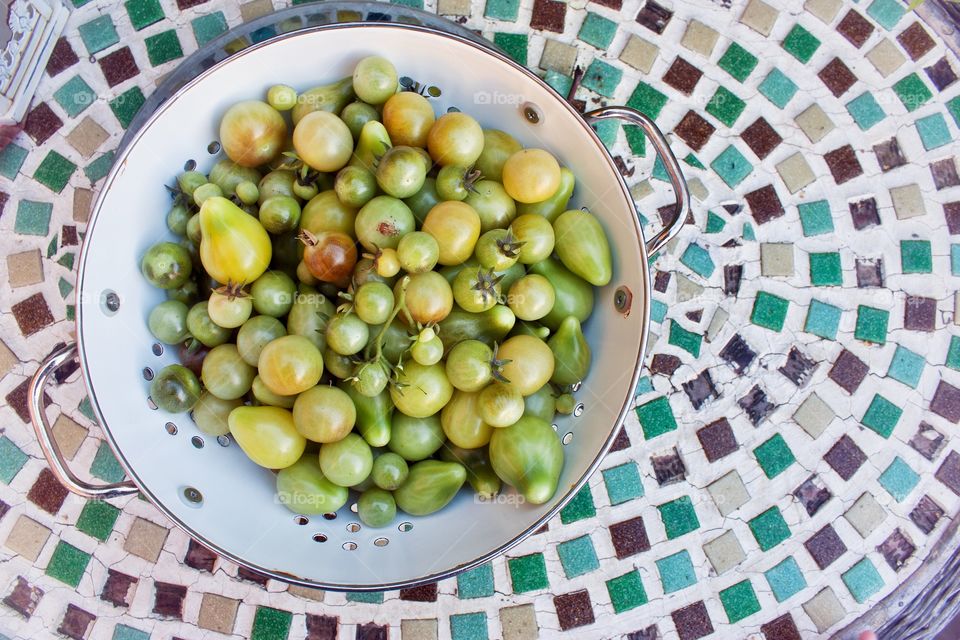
column 24, row 268
column 824, row 609
column 82, row 203
column 776, row 259
column 813, row 415
column 418, row 629
column 453, row 7
column 759, row 16
column 27, row 538
column 700, row 38
column 908, row 201
column 814, row 122
column 824, row 10
column 795, row 172
column 317, row 595
column 728, row 493
column 8, row 359
column 145, row 539
column 255, row 9
column 724, row 552
column 558, row 56
column 886, row 57
column 519, row 622
column 69, row 435
column 865, row 514
column 217, row 613
column 639, row 54
column 87, row 137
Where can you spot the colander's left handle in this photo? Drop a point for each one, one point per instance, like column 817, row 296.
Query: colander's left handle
column 48, row 444
column 659, row 141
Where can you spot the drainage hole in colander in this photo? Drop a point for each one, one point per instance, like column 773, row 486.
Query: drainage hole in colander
column 192, row 497
column 353, row 507
column 567, row 438
column 109, row 302
column 319, row 537
column 330, row 516
column 189, row 165
column 381, row 542
column 578, row 410
column 532, row 113
column 576, row 386
column 157, row 349
column 353, row 527
column 147, row 373
column 171, row 428
column 213, row 148
column 151, row 403
column 301, row 520
column 197, row 442
column 349, row 546
column 555, row 427
column 223, row 441
column 405, row 526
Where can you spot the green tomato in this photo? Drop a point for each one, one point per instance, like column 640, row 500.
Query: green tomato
column 225, row 374
column 228, row 310
column 531, row 297
column 421, row 390
column 375, row 80
column 203, row 328
column 373, row 302
column 422, row 201
column 211, row 413
column 415, row 438
column 566, row 403
column 500, row 405
column 276, row 183
column 476, row 290
column 573, row 296
column 175, row 389
column 273, row 294
column 346, row 462
column 376, row 508
column 186, row 293
column 355, row 186
column 308, row 315
column 427, row 352
column 304, row 489
column 194, row 233
column 267, row 435
column 248, row 192
column 389, row 471
column 418, row 252
column 462, row 422
column 468, row 365
column 228, row 175
column 255, row 334
column 305, row 190
column 492, row 203
column 382, row 222
column 528, row 455
column 370, row 378
column 497, row 147
column 168, row 322
column 282, row 97
column 177, row 219
column 535, row 233
column 338, row 365
column 357, row 114
column 279, row 214
column 206, row 191
column 324, row 414
column 430, row 486
column 529, row 363
column 166, row 265
column 542, row 404
column 497, row 249
column 263, row 395
column 188, row 181
column 452, row 183
column 401, row 172
column 347, row 334
column 290, row 365
column 582, row 246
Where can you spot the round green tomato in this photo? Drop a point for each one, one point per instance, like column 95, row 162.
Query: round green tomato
column 389, row 471
column 497, row 147
column 376, row 508
column 476, row 290
column 373, row 302
column 347, row 334
column 401, row 172
column 541, row 404
column 455, row 138
column 357, row 114
column 427, row 352
column 225, row 374
column 210, row 413
column 166, row 265
column 492, row 203
column 273, row 294
column 497, row 249
column 175, row 389
column 355, row 186
column 188, row 181
column 415, row 438
column 305, row 190
column 228, row 310
column 255, row 334
column 168, row 322
column 530, row 363
column 500, row 405
column 452, row 183
column 422, row 201
column 193, row 229
column 468, row 365
column 203, row 328
column 282, row 97
column 324, row 414
column 346, row 462
column 418, row 252
column 263, row 395
column 177, row 219
column 279, row 214
column 382, row 222
column 422, row 390
column 462, row 422
column 276, row 183
column 338, row 365
column 371, row 378
column 536, row 235
column 206, row 191
column 375, row 80
column 248, row 192
column 290, row 365
column 531, row 297
column 186, row 293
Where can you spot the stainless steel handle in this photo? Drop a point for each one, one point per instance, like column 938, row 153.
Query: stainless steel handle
column 665, row 235
column 48, row 444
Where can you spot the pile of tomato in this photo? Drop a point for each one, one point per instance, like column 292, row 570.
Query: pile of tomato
column 370, row 297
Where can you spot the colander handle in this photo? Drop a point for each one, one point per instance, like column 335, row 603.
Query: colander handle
column 48, row 444
column 682, row 209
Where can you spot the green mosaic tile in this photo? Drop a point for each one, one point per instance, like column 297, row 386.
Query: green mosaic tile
column 52, row 247
column 105, row 465
column 475, row 583
column 12, row 459
column 71, row 313
column 912, row 92
column 906, row 366
column 602, row 78
column 580, row 506
column 815, row 218
column 372, row 597
column 163, row 47
column 801, row 44
column 692, row 160
column 74, row 96
column 469, row 626
column 881, row 416
column 126, row 105
column 415, row 4
column 513, row 44
column 271, row 624
column 86, row 408
column 825, row 270
column 636, row 140
column 731, row 166
column 916, row 256
column 97, row 519
column 823, row 320
column 953, row 106
column 953, row 353
column 686, row 340
column 502, row 9
column 785, row 579
column 863, row 580
column 679, row 517
column 208, row 27
column 11, row 159
column 33, row 218
column 143, row 13
column 65, row 287
column 715, row 223
column 871, row 324
column 676, row 572
column 774, row 456
column 778, row 88
column 769, row 529
column 899, row 479
column 623, row 482
column 528, row 573
column 725, row 106
column 124, row 632
column 769, row 311
column 54, row 171
column 100, row 167
column 98, row 34
column 698, row 260
column 578, row 556
column 68, row 564
column 626, row 592
column 66, row 261
column 738, row 62
column 933, row 131
column 739, row 601
column 647, row 100
column 865, row 111
column 887, row 13
column 597, row 30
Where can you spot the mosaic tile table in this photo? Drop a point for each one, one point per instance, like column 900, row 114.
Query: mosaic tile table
column 792, row 460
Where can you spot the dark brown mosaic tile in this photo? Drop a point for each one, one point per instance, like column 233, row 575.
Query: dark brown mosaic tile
column 694, row 130
column 692, row 622
column 424, row 593
column 798, row 368
column 944, row 173
column 864, row 213
column 837, row 77
column 654, row 16
column 919, row 314
column 941, row 74
column 812, row 495
column 825, row 546
column 848, row 371
column 68, row 236
column 61, row 58
column 855, row 28
column 320, row 627
column 41, row 123
column 373, row 631
column 23, row 598
column 889, row 155
column 916, row 41
column 843, row 164
column 199, row 557
column 845, row 457
column 927, row 441
column 668, row 468
column 951, row 213
column 700, row 389
column 47, row 492
column 782, row 628
column 32, row 314
column 252, row 576
column 650, row 633
column 573, row 609
column 695, row 316
column 664, row 363
column 548, row 15
column 118, row 66
column 897, row 549
column 761, row 138
column 949, row 472
column 764, row 204
column 621, row 442
column 168, row 599
column 613, row 4
column 662, row 278
column 19, row 400
column 869, row 272
column 118, row 588
column 76, row 623
column 717, row 439
column 732, row 275
column 186, row 4
column 542, row 529
column 629, row 537
column 756, row 405
column 683, row 76
column 926, row 514
column 4, row 508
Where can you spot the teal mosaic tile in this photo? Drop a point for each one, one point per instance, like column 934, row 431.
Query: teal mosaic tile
column 163, row 47
column 124, row 632
column 11, row 159
column 872, row 324
column 815, row 218
column 678, row 517
column 881, row 416
column 933, row 131
column 899, row 479
column 143, row 13
column 676, row 571
column 469, row 626
column 208, row 27
column 887, row 13
column 626, row 592
column 731, row 166
column 580, row 506
column 823, row 319
column 644, row 385
column 906, row 366
column 738, row 62
column 272, row 624
column 623, row 482
column 105, row 465
column 597, row 30
column 686, row 340
column 74, row 96
column 916, row 256
column 801, row 44
column 658, row 311
column 912, row 91
column 67, row 564
column 560, row 82
column 12, row 460
column 698, row 260
column 725, row 106
column 955, row 259
column 739, row 601
column 100, row 167
column 528, row 573
column 769, row 529
column 866, row 111
column 64, row 287
column 578, row 556
column 748, row 233
column 602, row 78
column 656, row 418
column 953, row 107
column 371, row 597
column 514, row 45
column 778, row 88
column 953, row 353
column 54, row 171
column 33, row 218
column 774, row 456
column 863, row 580
column 769, row 311
column 475, row 583
column 825, row 270
column 647, row 100
column 785, row 579
column 715, row 224
column 607, row 131
column 502, row 10
column 98, row 34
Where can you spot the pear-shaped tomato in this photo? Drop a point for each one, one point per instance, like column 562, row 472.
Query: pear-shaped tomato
column 267, row 435
column 528, row 456
column 430, row 486
column 582, row 246
column 303, row 488
column 234, row 247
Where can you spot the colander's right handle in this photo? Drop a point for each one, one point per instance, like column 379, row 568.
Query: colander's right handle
column 48, row 444
column 682, row 209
